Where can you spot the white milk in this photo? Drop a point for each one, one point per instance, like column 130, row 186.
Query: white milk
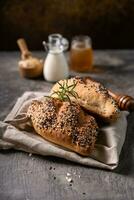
column 55, row 66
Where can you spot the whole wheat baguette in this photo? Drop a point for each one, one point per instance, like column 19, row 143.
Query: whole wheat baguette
column 64, row 124
column 93, row 96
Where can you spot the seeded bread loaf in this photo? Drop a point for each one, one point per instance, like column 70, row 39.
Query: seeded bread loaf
column 93, row 96
column 64, row 124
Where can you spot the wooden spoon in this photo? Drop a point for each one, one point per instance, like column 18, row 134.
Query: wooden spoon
column 29, row 66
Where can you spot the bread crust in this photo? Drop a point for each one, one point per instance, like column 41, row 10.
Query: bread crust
column 94, row 97
column 64, row 124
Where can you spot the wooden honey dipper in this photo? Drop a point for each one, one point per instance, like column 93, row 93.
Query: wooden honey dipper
column 29, row 66
column 125, row 102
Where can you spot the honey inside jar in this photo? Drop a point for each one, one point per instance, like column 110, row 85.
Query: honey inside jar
column 81, row 54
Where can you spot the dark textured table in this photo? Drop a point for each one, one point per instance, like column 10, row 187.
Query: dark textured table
column 30, row 177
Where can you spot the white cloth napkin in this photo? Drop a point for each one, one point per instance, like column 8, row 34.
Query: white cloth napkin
column 15, row 132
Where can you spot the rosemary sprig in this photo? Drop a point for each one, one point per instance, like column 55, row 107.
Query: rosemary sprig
column 47, row 96
column 66, row 91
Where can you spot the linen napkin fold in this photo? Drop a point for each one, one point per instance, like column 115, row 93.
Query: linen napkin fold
column 16, row 133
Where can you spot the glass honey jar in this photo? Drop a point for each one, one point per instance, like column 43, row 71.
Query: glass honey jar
column 81, row 54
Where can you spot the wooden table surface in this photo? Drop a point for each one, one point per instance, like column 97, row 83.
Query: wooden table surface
column 33, row 177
